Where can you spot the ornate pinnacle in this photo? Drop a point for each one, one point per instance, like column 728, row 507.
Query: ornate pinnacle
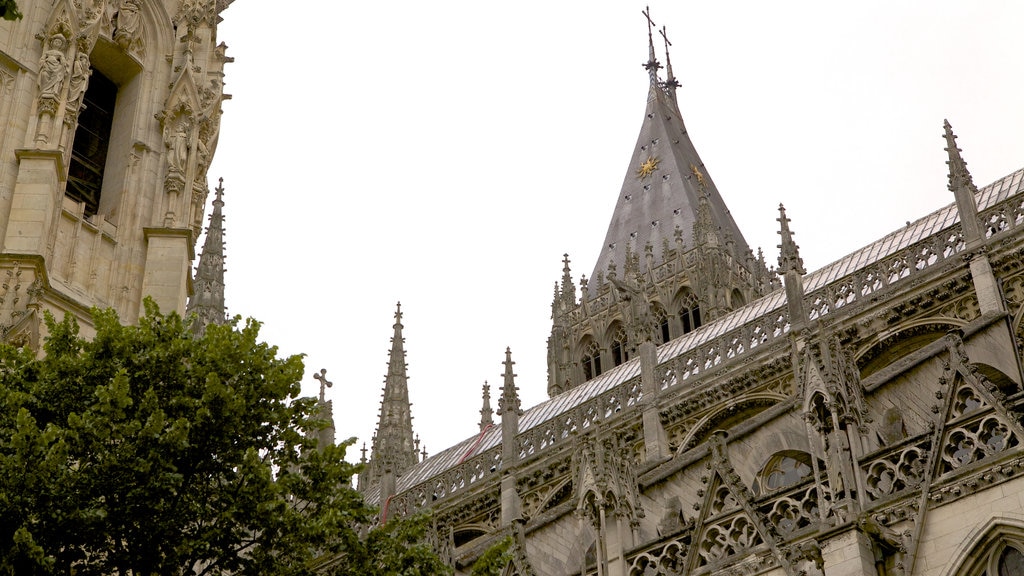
column 509, row 401
column 568, row 288
column 486, row 412
column 207, row 303
column 963, row 189
column 959, row 176
column 652, row 65
column 789, row 254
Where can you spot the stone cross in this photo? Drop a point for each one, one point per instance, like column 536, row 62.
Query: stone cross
column 324, row 382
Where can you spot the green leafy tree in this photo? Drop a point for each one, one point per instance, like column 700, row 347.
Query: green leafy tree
column 146, row 450
column 9, row 10
column 494, row 560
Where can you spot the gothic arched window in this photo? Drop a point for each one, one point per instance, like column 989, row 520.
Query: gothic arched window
column 784, row 469
column 689, row 311
column 619, row 352
column 591, row 360
column 661, row 331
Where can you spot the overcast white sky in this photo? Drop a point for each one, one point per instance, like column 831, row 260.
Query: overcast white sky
column 446, row 154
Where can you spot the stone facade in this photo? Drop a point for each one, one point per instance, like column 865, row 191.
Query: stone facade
column 862, row 419
column 111, row 112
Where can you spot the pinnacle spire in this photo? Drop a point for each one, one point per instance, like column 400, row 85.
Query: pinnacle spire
column 486, row 412
column 509, row 401
column 652, row 65
column 789, row 252
column 394, row 449
column 207, row 302
column 962, row 186
column 670, row 84
column 959, row 176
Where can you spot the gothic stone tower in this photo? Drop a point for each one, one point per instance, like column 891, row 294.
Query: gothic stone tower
column 672, row 260
column 111, row 111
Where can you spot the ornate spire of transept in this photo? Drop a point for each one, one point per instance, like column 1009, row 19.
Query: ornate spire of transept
column 663, row 185
column 207, row 303
column 394, row 449
column 486, row 413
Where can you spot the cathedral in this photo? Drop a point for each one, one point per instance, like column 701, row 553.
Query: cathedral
column 709, row 411
column 713, row 413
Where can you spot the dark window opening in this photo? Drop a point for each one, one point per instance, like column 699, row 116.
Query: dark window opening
column 619, row 354
column 664, row 330
column 591, row 366
column 690, row 318
column 92, row 138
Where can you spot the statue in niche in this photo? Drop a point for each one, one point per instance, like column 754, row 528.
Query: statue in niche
column 80, row 72
column 127, row 24
column 891, row 429
column 177, row 140
column 53, row 68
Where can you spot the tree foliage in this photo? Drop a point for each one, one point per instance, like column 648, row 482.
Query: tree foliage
column 494, row 560
column 9, row 10
column 146, row 450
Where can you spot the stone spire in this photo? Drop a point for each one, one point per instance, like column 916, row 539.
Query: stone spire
column 962, row 186
column 509, row 409
column 789, row 252
column 663, row 186
column 207, row 302
column 791, row 267
column 394, row 450
column 486, row 412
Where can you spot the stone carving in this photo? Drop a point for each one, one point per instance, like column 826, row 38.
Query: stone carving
column 80, row 72
column 53, row 68
column 128, row 26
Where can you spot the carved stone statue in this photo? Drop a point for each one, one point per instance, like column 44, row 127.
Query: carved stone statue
column 128, row 23
column 53, row 68
column 81, row 70
column 177, row 141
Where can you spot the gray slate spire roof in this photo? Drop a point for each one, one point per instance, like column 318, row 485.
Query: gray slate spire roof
column 663, row 186
column 207, row 302
column 393, row 446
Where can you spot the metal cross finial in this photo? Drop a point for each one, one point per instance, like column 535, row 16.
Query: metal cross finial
column 324, row 382
column 663, row 35
column 647, row 14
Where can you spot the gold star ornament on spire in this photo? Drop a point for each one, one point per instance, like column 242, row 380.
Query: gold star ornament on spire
column 648, row 167
column 699, row 175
